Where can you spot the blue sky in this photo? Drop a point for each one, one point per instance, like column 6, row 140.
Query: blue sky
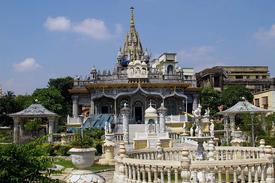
column 46, row 39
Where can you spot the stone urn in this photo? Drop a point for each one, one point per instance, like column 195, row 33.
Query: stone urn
column 82, row 158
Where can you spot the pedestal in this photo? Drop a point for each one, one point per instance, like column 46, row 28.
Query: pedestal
column 108, row 148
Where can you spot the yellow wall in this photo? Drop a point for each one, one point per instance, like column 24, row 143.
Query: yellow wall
column 271, row 99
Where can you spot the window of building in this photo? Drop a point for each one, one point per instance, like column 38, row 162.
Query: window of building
column 265, row 102
column 264, row 77
column 257, row 77
column 239, row 77
column 170, row 70
column 257, row 102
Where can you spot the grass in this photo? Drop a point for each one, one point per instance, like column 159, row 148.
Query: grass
column 94, row 167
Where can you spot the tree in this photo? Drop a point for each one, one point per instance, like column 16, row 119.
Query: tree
column 63, row 85
column 50, row 98
column 24, row 101
column 8, row 105
column 233, row 94
column 211, row 99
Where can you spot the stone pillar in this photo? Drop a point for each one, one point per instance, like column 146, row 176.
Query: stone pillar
column 185, row 165
column 21, row 131
column 92, row 107
column 75, row 106
column 195, row 101
column 125, row 122
column 270, row 169
column 51, row 129
column 108, row 148
column 16, row 122
column 162, row 113
column 115, row 112
column 232, row 123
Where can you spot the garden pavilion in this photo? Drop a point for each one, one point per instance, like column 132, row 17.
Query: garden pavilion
column 33, row 111
column 242, row 107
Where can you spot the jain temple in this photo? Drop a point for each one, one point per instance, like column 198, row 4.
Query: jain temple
column 155, row 129
column 138, row 81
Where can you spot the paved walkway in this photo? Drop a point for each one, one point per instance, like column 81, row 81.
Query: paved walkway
column 108, row 175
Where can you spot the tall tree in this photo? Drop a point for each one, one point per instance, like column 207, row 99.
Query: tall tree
column 52, row 99
column 63, row 85
column 8, row 105
column 211, row 99
column 233, row 94
column 24, row 101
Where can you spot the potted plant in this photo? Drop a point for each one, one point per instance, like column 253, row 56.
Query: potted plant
column 82, row 153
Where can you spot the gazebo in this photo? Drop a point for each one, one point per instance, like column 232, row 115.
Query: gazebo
column 33, row 111
column 243, row 107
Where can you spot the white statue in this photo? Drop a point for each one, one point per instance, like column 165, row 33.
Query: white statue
column 197, row 112
column 106, row 128
column 109, row 128
column 197, row 130
column 212, row 128
column 207, row 112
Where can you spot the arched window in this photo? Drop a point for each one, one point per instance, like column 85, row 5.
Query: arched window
column 170, row 69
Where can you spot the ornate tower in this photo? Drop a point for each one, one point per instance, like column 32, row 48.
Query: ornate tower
column 132, row 48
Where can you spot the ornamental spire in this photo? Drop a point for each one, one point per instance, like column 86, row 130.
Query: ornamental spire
column 132, row 47
column 132, row 20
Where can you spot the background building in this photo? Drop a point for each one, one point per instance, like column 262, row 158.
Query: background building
column 255, row 78
column 265, row 99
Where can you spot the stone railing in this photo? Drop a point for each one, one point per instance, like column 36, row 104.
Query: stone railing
column 221, row 153
column 118, row 137
column 176, row 118
column 177, row 165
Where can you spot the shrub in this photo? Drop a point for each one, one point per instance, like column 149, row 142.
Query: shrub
column 24, row 163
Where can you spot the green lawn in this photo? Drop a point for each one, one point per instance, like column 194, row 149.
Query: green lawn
column 94, row 167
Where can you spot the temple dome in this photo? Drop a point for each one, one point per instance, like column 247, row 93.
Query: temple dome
column 151, row 112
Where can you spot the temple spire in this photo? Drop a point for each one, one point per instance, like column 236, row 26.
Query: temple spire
column 132, row 20
column 132, row 47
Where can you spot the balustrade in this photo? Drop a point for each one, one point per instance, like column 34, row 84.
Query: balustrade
column 228, row 164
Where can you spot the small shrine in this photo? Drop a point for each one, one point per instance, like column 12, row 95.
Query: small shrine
column 155, row 131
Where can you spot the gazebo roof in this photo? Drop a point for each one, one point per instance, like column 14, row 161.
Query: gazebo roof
column 34, row 110
column 244, row 107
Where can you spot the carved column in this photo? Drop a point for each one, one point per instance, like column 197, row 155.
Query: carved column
column 75, row 106
column 185, row 165
column 125, row 123
column 232, row 123
column 162, row 113
column 92, row 107
column 270, row 169
column 16, row 122
column 195, row 101
column 21, row 131
column 51, row 129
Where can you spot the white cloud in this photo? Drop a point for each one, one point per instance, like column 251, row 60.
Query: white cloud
column 91, row 27
column 266, row 35
column 28, row 64
column 58, row 23
column 119, row 29
column 199, row 57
